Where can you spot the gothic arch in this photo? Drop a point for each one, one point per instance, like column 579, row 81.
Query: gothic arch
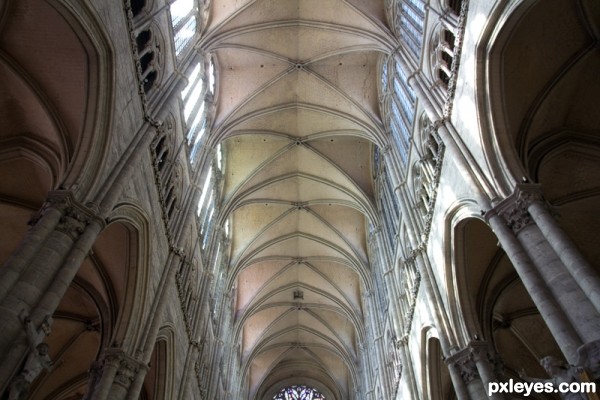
column 542, row 119
column 435, row 373
column 81, row 328
column 51, row 114
column 516, row 114
column 159, row 382
column 132, row 223
column 463, row 320
column 497, row 306
column 273, row 388
column 97, row 311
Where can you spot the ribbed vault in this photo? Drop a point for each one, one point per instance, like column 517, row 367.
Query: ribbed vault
column 297, row 117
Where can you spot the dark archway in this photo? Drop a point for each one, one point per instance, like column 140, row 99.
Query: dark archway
column 498, row 305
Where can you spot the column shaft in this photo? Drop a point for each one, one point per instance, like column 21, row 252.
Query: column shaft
column 34, row 238
column 567, row 293
column 578, row 266
column 457, row 382
column 564, row 333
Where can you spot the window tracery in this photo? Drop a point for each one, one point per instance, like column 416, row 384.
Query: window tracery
column 425, row 168
column 184, row 22
column 209, row 199
column 148, row 53
column 444, row 55
column 298, row 392
column 398, row 108
column 166, row 170
column 409, row 23
column 198, row 105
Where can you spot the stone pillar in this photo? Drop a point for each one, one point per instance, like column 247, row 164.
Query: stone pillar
column 469, row 384
column 116, row 377
column 191, row 368
column 567, row 290
column 485, row 366
column 44, row 279
column 564, row 333
column 579, row 269
column 459, row 385
column 578, row 266
column 42, row 226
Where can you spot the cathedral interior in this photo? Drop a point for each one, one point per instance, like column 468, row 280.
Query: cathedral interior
column 297, row 199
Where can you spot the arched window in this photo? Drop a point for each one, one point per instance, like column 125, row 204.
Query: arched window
column 149, row 81
column 409, row 21
column 206, row 206
column 445, row 55
column 209, row 199
column 455, row 6
column 298, row 392
column 143, row 39
column 398, row 108
column 183, row 20
column 198, row 104
column 148, row 49
column 137, row 6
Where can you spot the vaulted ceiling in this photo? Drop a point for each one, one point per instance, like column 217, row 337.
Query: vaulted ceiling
column 297, row 117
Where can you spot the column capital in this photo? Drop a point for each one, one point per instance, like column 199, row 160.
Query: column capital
column 127, row 367
column 465, row 363
column 57, row 199
column 514, row 209
column 74, row 215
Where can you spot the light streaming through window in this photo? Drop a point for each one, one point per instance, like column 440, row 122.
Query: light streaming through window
column 183, row 20
column 399, row 108
column 410, row 18
column 197, row 98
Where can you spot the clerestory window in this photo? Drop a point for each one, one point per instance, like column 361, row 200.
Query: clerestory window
column 410, row 21
column 198, row 104
column 184, row 22
column 398, row 108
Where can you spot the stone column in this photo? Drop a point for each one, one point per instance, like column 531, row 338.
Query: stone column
column 44, row 280
column 485, row 366
column 550, row 310
column 469, row 378
column 116, row 373
column 459, row 385
column 42, row 226
column 578, row 266
column 567, row 292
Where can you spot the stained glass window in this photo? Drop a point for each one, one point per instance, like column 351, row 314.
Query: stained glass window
column 298, row 392
column 410, row 18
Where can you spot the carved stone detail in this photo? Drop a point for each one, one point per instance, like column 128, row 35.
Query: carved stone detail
column 72, row 223
column 465, row 362
column 127, row 367
column 75, row 217
column 514, row 209
column 460, row 35
column 467, row 368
